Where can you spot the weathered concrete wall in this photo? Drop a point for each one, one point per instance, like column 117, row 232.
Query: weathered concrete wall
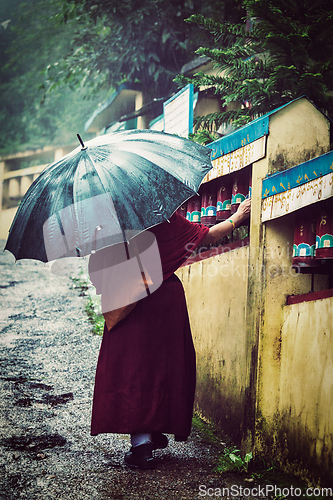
column 280, row 281
column 246, row 337
column 299, row 434
column 297, row 133
column 307, row 383
column 6, row 219
column 216, row 291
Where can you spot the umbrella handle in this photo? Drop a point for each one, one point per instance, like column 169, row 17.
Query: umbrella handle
column 145, row 277
column 81, row 142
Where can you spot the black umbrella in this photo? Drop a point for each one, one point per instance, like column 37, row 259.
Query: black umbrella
column 106, row 192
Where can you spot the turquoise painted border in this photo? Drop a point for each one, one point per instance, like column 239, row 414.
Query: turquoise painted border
column 298, row 175
column 241, row 137
column 247, row 134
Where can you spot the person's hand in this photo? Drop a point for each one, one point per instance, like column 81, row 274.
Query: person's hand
column 223, row 228
column 244, row 209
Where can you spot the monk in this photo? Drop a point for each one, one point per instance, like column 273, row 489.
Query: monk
column 146, row 370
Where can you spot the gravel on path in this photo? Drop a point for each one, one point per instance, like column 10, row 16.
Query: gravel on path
column 48, row 356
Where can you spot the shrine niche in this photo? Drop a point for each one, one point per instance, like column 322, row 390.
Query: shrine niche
column 324, row 231
column 313, row 238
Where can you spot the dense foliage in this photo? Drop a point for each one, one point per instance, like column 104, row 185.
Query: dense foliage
column 30, row 116
column 59, row 52
column 284, row 50
column 131, row 40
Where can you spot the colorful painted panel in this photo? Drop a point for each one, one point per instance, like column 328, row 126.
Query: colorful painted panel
column 237, row 160
column 223, row 205
column 305, row 238
column 324, row 236
column 293, row 199
column 194, row 209
column 208, row 203
column 298, row 175
column 240, row 138
column 240, row 190
column 178, row 113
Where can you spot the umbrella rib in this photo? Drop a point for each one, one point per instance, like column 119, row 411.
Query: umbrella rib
column 143, row 176
column 99, row 172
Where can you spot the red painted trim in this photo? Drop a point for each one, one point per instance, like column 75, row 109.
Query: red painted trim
column 306, row 297
column 212, row 252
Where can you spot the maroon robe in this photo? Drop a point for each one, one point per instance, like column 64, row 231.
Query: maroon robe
column 145, row 377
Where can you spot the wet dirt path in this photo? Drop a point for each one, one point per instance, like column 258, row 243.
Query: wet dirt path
column 48, row 356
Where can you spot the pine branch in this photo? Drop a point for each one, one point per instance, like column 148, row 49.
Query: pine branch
column 287, row 53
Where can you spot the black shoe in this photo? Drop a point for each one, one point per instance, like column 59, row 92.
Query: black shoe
column 159, row 440
column 180, row 439
column 141, row 456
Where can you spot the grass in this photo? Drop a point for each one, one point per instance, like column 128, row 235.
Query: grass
column 93, row 303
column 257, row 471
column 232, row 461
column 209, row 433
column 92, row 308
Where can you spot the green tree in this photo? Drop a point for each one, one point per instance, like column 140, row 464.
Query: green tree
column 282, row 50
column 62, row 52
column 30, row 116
column 131, row 40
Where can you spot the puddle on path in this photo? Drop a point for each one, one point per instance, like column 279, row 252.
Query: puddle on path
column 34, row 443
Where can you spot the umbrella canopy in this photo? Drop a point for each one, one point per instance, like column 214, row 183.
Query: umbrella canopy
column 106, row 192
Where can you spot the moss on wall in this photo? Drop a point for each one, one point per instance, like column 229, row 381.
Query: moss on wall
column 248, row 382
column 219, row 403
column 286, row 444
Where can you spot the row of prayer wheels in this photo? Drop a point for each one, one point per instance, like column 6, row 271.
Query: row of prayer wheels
column 313, row 237
column 218, row 199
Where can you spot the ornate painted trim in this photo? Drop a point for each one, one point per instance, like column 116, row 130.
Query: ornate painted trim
column 238, row 159
column 298, row 197
column 298, row 175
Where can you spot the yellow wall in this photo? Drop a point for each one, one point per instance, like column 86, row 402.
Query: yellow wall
column 6, row 219
column 280, row 282
column 216, row 291
column 297, row 133
column 249, row 343
column 306, row 385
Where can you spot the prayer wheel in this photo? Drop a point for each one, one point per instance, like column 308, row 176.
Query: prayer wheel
column 304, row 239
column 250, row 185
column 240, row 189
column 194, row 209
column 208, row 203
column 223, row 205
column 324, row 231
